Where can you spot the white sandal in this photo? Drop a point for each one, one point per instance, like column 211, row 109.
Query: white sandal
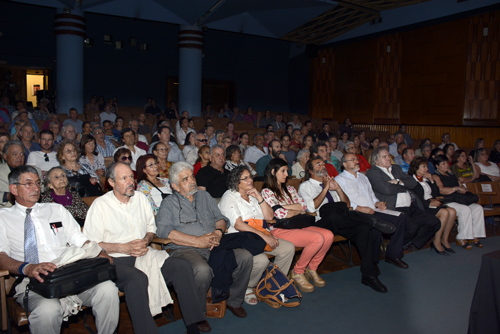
column 249, row 295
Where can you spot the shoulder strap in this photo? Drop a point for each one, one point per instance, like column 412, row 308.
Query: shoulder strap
column 151, row 183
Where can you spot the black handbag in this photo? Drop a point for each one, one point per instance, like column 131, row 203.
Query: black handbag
column 295, row 222
column 74, row 278
column 82, row 184
column 466, row 199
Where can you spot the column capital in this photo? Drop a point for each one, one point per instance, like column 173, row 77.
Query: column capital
column 69, row 24
column 190, row 37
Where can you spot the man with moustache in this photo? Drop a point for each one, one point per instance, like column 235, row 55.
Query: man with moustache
column 274, row 152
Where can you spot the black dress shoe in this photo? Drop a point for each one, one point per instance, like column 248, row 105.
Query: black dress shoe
column 373, row 283
column 204, row 326
column 377, row 269
column 397, row 262
column 449, row 250
column 383, row 227
column 438, row 251
column 237, row 311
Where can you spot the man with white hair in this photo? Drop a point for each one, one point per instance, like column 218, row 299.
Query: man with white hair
column 123, row 224
column 193, row 221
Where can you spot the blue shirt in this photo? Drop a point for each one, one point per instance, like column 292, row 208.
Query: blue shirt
column 34, row 147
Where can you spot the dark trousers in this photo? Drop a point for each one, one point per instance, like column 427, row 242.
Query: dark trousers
column 358, row 229
column 134, row 283
column 395, row 247
column 420, row 226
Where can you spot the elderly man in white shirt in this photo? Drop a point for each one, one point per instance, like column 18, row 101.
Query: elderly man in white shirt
column 254, row 153
column 359, row 190
column 324, row 196
column 123, row 224
column 33, row 234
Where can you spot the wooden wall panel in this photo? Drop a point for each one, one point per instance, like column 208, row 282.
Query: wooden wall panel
column 433, row 74
column 354, row 94
column 322, row 84
column 388, row 79
column 481, row 103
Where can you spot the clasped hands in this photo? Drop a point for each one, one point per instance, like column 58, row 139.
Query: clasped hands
column 209, row 240
column 136, row 248
column 329, row 181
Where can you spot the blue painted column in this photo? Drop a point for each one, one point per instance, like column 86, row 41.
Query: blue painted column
column 190, row 44
column 70, row 32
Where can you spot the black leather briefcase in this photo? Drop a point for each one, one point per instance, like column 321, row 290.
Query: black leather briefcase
column 74, row 278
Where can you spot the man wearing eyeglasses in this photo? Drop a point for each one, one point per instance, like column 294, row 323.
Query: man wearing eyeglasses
column 34, row 234
column 44, row 159
column 13, row 153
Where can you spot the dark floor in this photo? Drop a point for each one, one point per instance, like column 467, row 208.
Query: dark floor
column 330, row 264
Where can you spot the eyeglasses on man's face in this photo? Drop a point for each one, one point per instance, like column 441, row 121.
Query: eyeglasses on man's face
column 30, row 185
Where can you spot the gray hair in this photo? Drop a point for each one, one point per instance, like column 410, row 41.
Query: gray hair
column 176, row 169
column 111, row 173
column 218, row 132
column 94, row 130
column 9, row 144
column 66, row 126
column 217, row 146
column 234, row 177
column 255, row 136
column 349, row 143
column 47, row 177
column 16, row 173
column 376, row 153
column 53, row 123
column 132, row 120
column 300, row 153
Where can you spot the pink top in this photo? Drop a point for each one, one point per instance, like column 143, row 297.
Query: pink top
column 272, row 200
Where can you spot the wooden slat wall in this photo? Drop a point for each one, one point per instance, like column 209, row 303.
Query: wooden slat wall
column 388, row 79
column 483, row 69
column 425, row 76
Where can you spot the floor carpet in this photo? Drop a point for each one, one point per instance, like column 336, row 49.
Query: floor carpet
column 432, row 297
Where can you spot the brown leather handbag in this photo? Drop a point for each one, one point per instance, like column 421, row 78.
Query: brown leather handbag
column 217, row 310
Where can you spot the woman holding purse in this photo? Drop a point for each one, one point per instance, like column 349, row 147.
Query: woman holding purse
column 470, row 217
column 287, row 203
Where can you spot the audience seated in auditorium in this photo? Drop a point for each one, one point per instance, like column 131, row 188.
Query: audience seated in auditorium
column 406, row 137
column 73, row 120
column 250, row 116
column 90, row 157
column 53, row 118
column 295, row 122
column 344, row 138
column 374, row 142
column 446, row 138
column 13, row 154
column 363, row 163
column 226, row 141
column 319, row 149
column 287, row 203
column 243, row 141
column 478, row 144
column 307, row 142
column 418, row 151
column 398, row 158
column 212, row 178
column 495, row 152
column 296, row 142
column 58, row 191
column 143, row 127
column 299, row 167
column 274, row 152
column 257, row 151
column 92, row 106
column 128, row 138
column 190, row 150
column 245, row 208
column 217, row 138
column 42, row 112
column 363, row 143
column 408, row 156
column 448, row 150
column 179, row 125
column 112, row 137
column 27, row 135
column 233, row 160
column 434, row 153
column 236, row 116
column 107, row 114
column 310, row 130
column 149, row 182
column 393, row 186
column 203, row 159
column 463, row 167
column 171, row 112
column 285, row 149
column 346, row 126
column 323, row 195
column 263, row 121
column 395, row 147
column 5, row 104
column 278, row 123
column 118, row 128
column 427, row 191
column 153, row 109
column 325, row 134
column 134, row 125
column 470, row 217
column 103, row 146
column 230, row 132
column 23, row 117
column 127, row 244
column 86, row 130
column 44, row 159
column 161, row 150
column 485, row 167
column 203, row 239
column 175, row 153
column 4, row 138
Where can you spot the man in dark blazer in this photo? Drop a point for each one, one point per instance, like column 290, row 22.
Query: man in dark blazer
column 278, row 123
column 393, row 186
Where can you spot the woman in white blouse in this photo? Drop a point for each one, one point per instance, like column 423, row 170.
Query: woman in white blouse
column 486, row 167
column 190, row 151
column 298, row 168
column 241, row 204
column 287, row 203
column 90, row 157
column 155, row 188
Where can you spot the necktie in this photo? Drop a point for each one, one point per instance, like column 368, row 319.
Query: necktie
column 328, row 195
column 30, row 246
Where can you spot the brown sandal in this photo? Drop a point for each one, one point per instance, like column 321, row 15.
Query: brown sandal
column 464, row 244
column 477, row 243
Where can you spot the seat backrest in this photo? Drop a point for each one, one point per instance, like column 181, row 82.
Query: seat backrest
column 258, row 185
column 488, row 192
column 294, row 183
column 89, row 200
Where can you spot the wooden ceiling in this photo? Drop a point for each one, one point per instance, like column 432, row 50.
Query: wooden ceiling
column 347, row 15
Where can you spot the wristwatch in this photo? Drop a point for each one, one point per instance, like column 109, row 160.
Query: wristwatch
column 221, row 230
